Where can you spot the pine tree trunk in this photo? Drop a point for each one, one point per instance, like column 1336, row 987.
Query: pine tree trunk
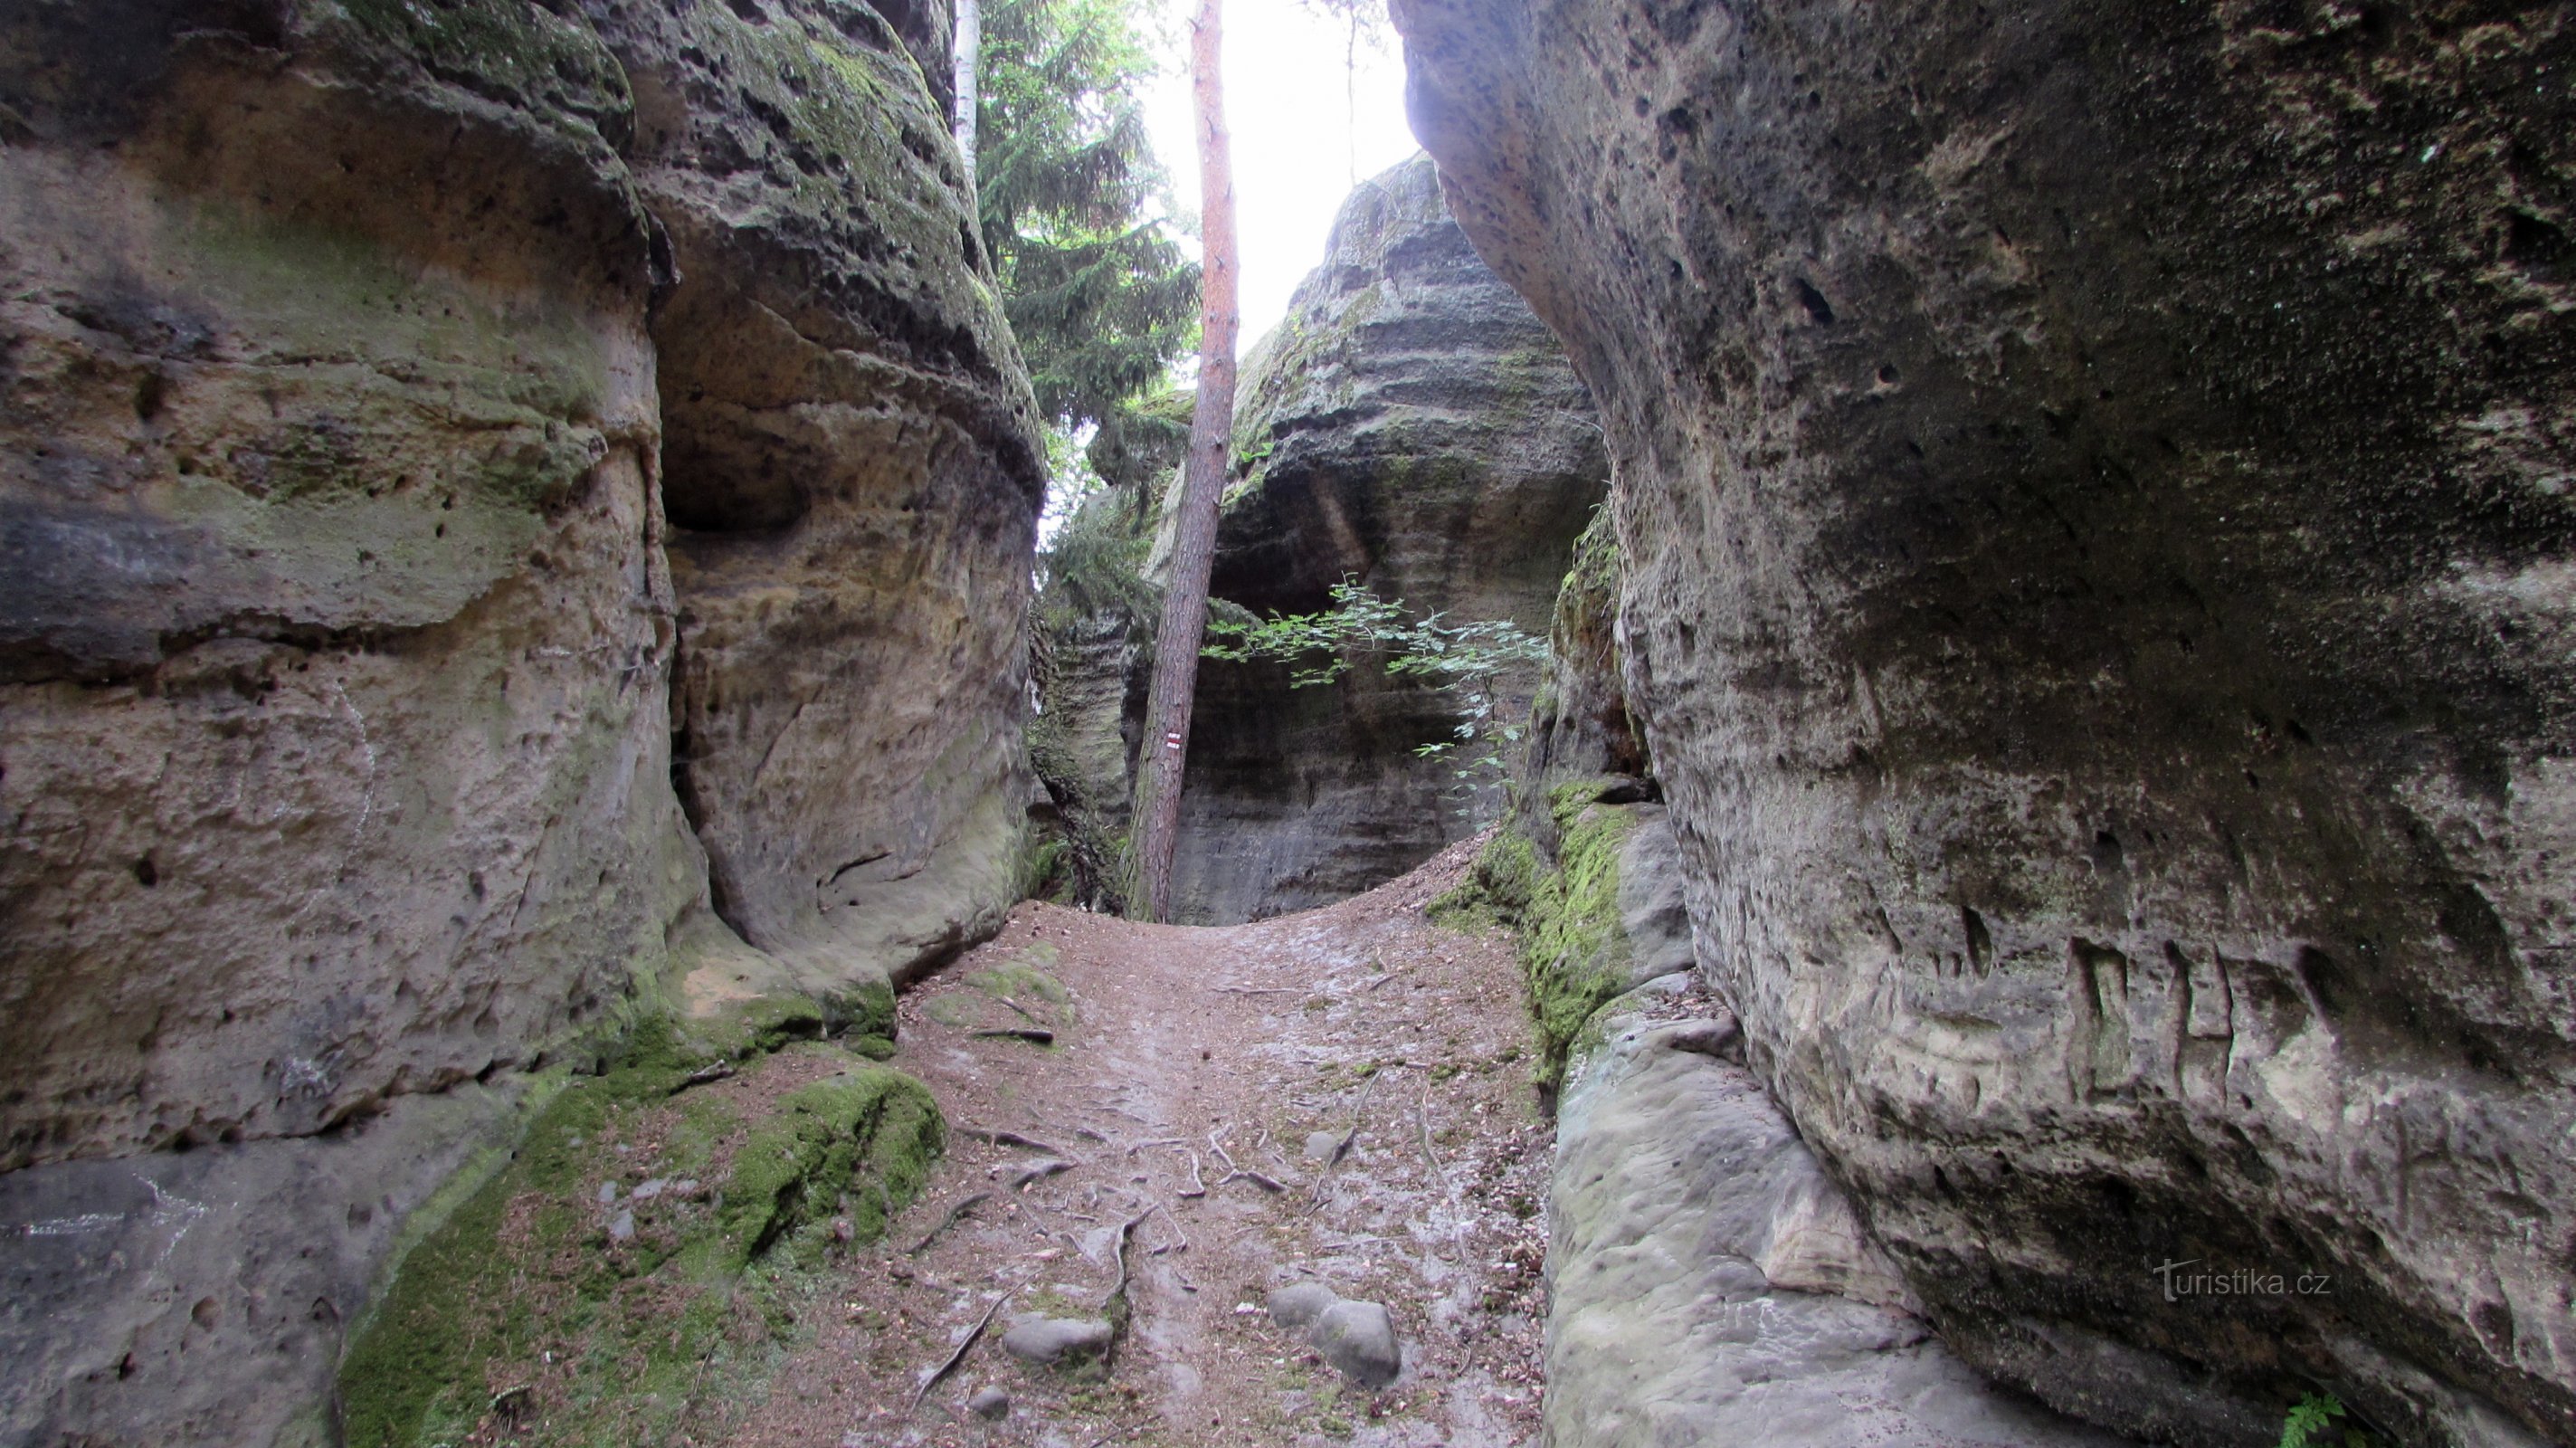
column 970, row 90
column 1185, row 602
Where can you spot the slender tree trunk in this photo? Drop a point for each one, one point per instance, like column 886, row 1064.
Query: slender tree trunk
column 1185, row 602
column 970, row 90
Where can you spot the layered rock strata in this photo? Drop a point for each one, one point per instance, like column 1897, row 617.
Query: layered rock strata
column 2095, row 500
column 371, row 372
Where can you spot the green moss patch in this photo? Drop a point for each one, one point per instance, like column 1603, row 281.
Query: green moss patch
column 865, row 1015
column 633, row 1273
column 1572, row 946
column 1023, row 978
column 509, row 51
column 1565, row 913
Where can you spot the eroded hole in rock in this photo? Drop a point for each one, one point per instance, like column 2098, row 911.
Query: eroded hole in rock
column 2536, row 244
column 702, row 494
column 1814, row 301
column 1981, row 943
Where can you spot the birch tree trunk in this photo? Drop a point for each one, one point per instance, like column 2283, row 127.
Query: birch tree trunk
column 970, row 92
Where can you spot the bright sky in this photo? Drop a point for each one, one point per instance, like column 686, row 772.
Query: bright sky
column 1296, row 149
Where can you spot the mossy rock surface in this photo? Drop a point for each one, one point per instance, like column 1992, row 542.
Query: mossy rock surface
column 1565, row 910
column 633, row 1273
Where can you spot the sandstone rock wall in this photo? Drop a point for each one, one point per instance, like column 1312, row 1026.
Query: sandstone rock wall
column 345, row 351
column 1708, row 1283
column 851, row 476
column 2094, row 488
column 335, row 738
column 1412, row 426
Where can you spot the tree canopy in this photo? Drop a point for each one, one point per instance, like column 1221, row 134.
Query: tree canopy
column 1072, row 210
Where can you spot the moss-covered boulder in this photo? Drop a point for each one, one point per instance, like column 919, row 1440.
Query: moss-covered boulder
column 629, row 1274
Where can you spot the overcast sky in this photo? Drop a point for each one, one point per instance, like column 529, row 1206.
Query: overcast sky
column 1294, row 137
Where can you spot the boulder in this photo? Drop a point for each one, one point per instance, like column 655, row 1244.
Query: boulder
column 2094, row 519
column 1410, row 426
column 851, row 473
column 1295, row 1307
column 1357, row 1338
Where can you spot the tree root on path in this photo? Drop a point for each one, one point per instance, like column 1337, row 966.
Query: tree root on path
column 1038, row 1172
column 1125, row 1229
column 1011, row 1138
column 1342, row 1148
column 1176, row 1231
column 711, row 1072
column 963, row 1206
column 1234, row 1169
column 932, row 1378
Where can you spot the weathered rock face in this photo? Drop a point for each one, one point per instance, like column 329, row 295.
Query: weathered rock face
column 851, row 481
column 1708, row 1283
column 337, row 624
column 2096, row 508
column 1579, row 725
column 1413, row 426
column 1095, row 662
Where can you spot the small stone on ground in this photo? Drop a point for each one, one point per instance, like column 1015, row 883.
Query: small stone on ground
column 1298, row 1304
column 1358, row 1339
column 1049, row 1340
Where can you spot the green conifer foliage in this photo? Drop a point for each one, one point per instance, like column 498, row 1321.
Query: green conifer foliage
column 1072, row 208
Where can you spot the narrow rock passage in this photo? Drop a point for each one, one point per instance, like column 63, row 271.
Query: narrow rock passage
column 1341, row 1096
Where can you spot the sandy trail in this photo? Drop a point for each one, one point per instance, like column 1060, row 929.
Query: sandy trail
column 1177, row 1051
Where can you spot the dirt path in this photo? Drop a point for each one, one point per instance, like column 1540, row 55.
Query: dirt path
column 1175, row 1052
